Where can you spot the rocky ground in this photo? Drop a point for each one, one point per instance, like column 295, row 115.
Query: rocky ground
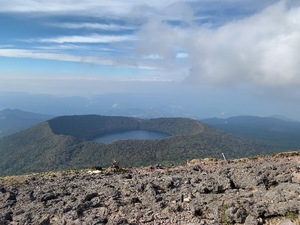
column 259, row 190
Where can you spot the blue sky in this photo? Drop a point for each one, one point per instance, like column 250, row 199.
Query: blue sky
column 240, row 48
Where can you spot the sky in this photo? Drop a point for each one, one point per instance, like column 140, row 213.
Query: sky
column 237, row 57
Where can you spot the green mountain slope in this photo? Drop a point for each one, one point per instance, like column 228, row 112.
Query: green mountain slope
column 14, row 120
column 279, row 133
column 36, row 149
column 66, row 142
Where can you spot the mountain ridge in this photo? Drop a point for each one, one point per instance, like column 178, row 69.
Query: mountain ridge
column 15, row 120
column 279, row 133
column 48, row 147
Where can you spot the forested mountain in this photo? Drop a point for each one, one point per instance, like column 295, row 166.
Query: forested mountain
column 279, row 133
column 67, row 142
column 14, row 120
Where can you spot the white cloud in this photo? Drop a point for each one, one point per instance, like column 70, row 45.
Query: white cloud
column 95, row 26
column 88, row 39
column 119, row 62
column 55, row 6
column 89, row 7
column 21, row 53
column 261, row 49
column 182, row 55
column 160, row 39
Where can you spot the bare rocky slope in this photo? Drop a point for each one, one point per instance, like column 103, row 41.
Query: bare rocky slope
column 251, row 191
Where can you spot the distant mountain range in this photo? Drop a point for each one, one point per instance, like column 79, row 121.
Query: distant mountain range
column 14, row 120
column 67, row 142
column 280, row 133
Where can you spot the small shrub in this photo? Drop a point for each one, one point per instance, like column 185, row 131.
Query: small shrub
column 291, row 215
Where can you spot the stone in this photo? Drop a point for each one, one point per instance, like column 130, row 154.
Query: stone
column 90, row 196
column 296, row 177
column 135, row 200
column 2, row 189
column 287, row 222
column 251, row 220
column 6, row 216
column 48, row 197
column 196, row 209
column 45, row 221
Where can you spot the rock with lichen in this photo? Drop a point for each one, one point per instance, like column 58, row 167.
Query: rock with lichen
column 251, row 192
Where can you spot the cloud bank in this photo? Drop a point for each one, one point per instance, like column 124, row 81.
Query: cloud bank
column 260, row 49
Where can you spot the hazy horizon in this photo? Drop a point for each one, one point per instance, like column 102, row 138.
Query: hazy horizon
column 197, row 58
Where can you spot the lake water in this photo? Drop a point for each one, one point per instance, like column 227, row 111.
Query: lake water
column 133, row 134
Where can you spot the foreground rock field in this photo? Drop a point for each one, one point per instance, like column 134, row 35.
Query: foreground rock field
column 260, row 190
